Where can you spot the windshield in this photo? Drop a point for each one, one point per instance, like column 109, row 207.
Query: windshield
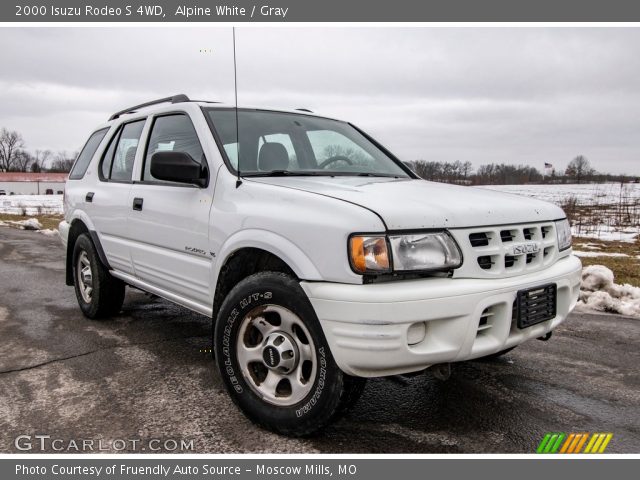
column 275, row 143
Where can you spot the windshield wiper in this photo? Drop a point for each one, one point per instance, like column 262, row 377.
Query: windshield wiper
column 281, row 173
column 369, row 174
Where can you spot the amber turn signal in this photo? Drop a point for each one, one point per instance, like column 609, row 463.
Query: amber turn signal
column 369, row 254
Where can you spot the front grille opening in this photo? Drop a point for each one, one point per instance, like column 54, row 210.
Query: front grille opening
column 509, row 261
column 507, row 235
column 485, row 262
column 545, row 231
column 485, row 320
column 530, row 257
column 479, row 239
column 528, row 234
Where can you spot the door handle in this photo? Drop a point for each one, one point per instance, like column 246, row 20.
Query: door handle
column 89, row 197
column 137, row 203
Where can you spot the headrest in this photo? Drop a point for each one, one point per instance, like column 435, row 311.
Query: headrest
column 129, row 157
column 273, row 156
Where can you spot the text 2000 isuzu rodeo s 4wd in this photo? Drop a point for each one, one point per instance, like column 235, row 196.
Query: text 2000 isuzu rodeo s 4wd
column 324, row 261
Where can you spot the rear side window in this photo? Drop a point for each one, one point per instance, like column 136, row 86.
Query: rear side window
column 87, row 153
column 172, row 133
column 117, row 163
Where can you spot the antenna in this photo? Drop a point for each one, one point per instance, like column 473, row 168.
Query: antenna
column 235, row 88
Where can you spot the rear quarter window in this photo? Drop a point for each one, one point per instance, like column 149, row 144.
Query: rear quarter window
column 87, row 153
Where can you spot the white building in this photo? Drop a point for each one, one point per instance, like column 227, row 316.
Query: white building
column 18, row 183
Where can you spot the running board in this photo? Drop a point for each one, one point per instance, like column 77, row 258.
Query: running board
column 185, row 302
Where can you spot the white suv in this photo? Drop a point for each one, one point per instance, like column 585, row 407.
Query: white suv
column 323, row 259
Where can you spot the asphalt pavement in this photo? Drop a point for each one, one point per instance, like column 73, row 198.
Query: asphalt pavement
column 146, row 380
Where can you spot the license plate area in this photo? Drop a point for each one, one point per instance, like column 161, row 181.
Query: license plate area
column 536, row 305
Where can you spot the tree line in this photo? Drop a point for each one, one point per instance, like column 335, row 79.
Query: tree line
column 14, row 156
column 578, row 170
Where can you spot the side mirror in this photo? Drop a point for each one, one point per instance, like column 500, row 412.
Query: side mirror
column 178, row 167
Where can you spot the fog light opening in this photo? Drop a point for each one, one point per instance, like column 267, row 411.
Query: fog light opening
column 416, row 333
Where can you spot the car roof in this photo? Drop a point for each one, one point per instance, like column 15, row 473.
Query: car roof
column 165, row 104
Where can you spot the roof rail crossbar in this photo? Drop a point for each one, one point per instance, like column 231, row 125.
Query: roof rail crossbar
column 180, row 98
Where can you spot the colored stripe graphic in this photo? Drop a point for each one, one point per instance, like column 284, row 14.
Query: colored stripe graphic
column 581, row 442
column 555, row 442
column 565, row 447
column 606, row 441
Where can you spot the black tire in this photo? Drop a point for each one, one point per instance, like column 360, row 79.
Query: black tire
column 493, row 356
column 353, row 388
column 330, row 391
column 107, row 293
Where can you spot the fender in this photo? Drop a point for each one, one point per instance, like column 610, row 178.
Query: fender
column 79, row 215
column 273, row 243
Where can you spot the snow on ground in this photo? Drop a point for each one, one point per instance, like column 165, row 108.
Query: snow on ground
column 31, row 204
column 605, row 211
column 28, row 224
column 598, row 291
column 584, row 193
column 580, row 253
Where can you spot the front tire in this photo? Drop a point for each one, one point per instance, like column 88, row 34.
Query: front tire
column 99, row 294
column 274, row 359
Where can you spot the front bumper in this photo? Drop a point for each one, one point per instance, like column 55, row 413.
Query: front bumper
column 367, row 326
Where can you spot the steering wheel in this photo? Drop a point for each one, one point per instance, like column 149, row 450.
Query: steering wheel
column 335, row 158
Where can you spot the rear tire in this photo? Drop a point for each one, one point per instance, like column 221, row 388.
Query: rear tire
column 99, row 294
column 274, row 359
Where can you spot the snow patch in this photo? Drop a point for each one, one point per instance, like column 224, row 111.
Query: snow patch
column 49, row 231
column 578, row 253
column 598, row 291
column 28, row 224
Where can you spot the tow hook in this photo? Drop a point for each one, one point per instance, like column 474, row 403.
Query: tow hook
column 546, row 336
column 442, row 371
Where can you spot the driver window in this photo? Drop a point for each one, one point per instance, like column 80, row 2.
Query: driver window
column 327, row 144
column 173, row 133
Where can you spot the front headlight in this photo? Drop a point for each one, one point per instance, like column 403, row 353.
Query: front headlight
column 375, row 254
column 424, row 251
column 563, row 231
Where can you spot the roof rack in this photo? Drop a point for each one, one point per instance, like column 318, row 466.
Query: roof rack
column 180, row 98
column 304, row 110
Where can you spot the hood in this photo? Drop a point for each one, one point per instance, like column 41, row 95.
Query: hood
column 406, row 204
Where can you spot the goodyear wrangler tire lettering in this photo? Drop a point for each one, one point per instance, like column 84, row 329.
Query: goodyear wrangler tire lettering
column 273, row 357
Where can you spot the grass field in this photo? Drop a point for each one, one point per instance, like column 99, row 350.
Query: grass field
column 625, row 268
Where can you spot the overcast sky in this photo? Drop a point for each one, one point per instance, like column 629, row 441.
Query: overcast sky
column 513, row 95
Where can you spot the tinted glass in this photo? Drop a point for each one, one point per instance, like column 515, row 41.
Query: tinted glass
column 173, row 133
column 125, row 151
column 87, row 153
column 298, row 144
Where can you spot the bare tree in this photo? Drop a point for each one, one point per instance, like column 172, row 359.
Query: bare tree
column 39, row 160
column 62, row 162
column 579, row 168
column 11, row 143
column 22, row 161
